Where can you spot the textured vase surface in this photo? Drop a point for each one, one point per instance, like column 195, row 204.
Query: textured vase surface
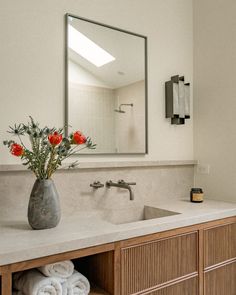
column 44, row 206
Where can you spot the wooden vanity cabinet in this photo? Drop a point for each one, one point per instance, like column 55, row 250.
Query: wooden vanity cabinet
column 193, row 260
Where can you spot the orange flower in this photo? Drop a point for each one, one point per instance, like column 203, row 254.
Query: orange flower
column 55, row 138
column 17, row 150
column 78, row 138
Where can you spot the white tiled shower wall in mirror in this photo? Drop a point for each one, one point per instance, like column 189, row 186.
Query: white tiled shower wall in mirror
column 130, row 130
column 94, row 114
column 92, row 109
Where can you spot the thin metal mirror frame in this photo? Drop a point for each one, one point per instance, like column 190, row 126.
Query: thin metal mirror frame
column 67, row 86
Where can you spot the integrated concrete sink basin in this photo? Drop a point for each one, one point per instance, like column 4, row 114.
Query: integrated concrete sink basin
column 135, row 214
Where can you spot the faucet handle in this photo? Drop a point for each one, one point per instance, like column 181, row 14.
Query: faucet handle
column 96, row 184
column 129, row 183
column 121, row 181
column 108, row 183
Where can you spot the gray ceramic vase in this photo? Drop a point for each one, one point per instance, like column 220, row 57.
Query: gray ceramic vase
column 44, row 207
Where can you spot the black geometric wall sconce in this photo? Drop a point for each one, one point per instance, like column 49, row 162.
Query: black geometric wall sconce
column 177, row 94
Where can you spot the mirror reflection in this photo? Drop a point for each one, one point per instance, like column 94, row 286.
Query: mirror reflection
column 106, row 86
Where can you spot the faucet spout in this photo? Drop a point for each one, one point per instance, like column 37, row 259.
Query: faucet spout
column 131, row 194
column 122, row 184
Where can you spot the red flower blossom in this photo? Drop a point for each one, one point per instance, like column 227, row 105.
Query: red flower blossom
column 55, row 138
column 78, row 138
column 17, row 150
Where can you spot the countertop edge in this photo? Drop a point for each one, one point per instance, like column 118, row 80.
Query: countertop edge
column 109, row 237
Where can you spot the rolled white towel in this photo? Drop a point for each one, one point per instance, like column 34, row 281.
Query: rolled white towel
column 77, row 284
column 32, row 282
column 63, row 269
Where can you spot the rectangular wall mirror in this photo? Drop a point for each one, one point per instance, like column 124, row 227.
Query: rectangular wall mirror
column 106, row 86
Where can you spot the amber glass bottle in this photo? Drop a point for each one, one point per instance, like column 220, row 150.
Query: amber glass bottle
column 196, row 195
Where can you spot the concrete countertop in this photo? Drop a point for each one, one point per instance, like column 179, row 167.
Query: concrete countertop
column 19, row 243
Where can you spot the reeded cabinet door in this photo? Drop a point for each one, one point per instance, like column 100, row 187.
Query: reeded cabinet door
column 188, row 287
column 219, row 244
column 221, row 281
column 220, row 260
column 148, row 265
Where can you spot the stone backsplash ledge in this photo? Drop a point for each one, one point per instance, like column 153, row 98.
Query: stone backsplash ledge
column 76, row 196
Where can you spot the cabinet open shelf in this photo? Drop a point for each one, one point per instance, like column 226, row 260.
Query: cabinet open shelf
column 99, row 270
column 97, row 291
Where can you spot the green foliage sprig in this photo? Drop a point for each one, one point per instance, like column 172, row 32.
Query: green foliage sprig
column 48, row 147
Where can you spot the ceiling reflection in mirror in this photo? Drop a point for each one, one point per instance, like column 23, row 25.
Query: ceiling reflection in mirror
column 107, row 86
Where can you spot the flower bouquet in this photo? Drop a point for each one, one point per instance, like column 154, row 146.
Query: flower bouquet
column 44, row 154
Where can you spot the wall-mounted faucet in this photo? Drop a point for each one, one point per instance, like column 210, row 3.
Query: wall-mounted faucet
column 122, row 184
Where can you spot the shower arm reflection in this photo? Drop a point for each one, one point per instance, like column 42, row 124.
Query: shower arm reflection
column 123, row 104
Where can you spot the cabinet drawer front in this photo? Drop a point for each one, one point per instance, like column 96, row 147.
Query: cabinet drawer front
column 151, row 264
column 219, row 244
column 188, row 287
column 221, row 281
